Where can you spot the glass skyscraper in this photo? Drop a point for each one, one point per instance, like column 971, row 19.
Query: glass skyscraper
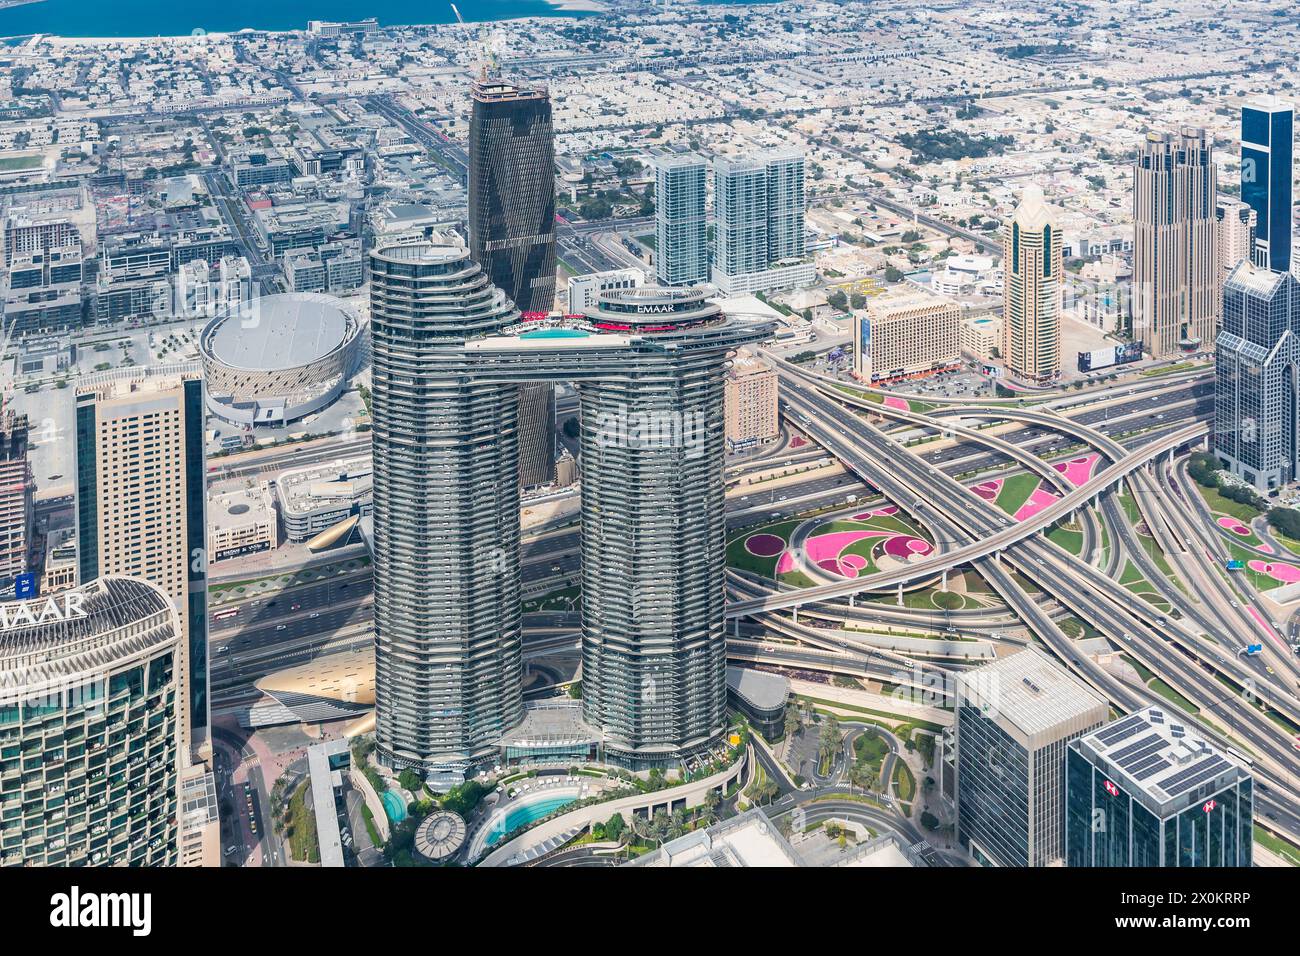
column 1256, row 407
column 1014, row 718
column 648, row 363
column 446, row 513
column 1267, row 155
column 89, row 727
column 759, row 204
column 681, row 230
column 512, row 232
column 1147, row 790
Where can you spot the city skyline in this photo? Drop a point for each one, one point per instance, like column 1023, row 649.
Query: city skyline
column 819, row 435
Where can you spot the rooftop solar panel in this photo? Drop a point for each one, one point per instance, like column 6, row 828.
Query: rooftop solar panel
column 1141, row 754
column 1121, row 755
column 1194, row 775
column 1118, row 731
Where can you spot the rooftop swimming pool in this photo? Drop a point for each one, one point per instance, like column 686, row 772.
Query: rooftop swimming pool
column 523, row 814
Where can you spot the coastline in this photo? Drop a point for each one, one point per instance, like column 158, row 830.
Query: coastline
column 559, row 7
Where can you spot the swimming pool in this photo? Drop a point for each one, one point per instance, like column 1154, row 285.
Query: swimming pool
column 393, row 806
column 527, row 813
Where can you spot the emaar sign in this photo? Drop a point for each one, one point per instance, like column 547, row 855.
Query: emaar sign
column 58, row 607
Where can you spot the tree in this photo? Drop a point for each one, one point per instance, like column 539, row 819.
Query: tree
column 614, row 827
column 408, row 779
column 793, row 722
column 1286, row 521
column 838, row 300
column 857, row 300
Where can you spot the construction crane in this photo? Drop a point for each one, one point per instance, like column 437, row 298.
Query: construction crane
column 487, row 58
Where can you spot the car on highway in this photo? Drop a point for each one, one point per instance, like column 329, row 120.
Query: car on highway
column 280, row 627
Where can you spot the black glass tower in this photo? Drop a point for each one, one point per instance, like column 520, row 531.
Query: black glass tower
column 512, row 232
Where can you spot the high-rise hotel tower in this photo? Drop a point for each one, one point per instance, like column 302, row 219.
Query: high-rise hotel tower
column 1031, row 291
column 649, row 364
column 1176, row 276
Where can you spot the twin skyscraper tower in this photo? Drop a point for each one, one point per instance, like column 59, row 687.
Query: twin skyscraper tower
column 455, row 362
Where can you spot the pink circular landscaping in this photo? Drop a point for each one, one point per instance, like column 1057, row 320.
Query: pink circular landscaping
column 988, row 490
column 1285, row 573
column 1235, row 526
column 868, row 515
column 1039, row 500
column 764, row 545
column 892, row 402
column 827, row 550
column 1079, row 471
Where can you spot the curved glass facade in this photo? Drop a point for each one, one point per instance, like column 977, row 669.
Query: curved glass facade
column 88, row 728
column 446, row 514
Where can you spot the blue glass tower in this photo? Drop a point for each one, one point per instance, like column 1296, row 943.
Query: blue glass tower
column 1267, row 154
column 1149, row 791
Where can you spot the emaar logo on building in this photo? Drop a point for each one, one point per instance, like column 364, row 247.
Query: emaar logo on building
column 58, row 607
column 75, row 909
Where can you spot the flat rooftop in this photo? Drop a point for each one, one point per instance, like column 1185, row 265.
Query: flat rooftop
column 1031, row 692
column 1160, row 754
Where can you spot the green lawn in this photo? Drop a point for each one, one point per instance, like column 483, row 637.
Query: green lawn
column 1281, row 847
column 1217, row 503
column 1068, row 538
column 1016, row 491
column 904, row 782
column 738, row 555
column 301, row 828
column 11, row 164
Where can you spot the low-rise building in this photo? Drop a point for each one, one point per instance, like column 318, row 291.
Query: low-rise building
column 318, row 497
column 241, row 522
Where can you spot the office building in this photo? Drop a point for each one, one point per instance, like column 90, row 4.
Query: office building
column 89, row 712
column 681, row 228
column 1176, row 278
column 1267, row 156
column 449, row 353
column 1236, row 223
column 585, row 290
column 1256, row 418
column 302, row 225
column 1014, row 719
column 905, row 333
column 15, row 496
column 512, row 232
column 759, row 204
column 335, row 267
column 1032, row 290
column 141, row 507
column 316, row 498
column 1149, row 790
column 750, row 395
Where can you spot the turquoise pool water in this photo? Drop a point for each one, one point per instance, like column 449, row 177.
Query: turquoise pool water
column 393, row 806
column 519, row 816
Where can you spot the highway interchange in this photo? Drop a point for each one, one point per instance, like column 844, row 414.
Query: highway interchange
column 923, row 462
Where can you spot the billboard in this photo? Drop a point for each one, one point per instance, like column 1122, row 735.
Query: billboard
column 1120, row 354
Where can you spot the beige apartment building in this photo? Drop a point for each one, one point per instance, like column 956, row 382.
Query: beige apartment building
column 1176, row 271
column 141, row 512
column 750, row 396
column 1031, row 290
column 906, row 332
column 1236, row 223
